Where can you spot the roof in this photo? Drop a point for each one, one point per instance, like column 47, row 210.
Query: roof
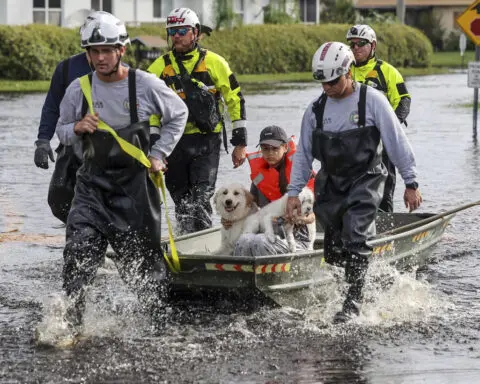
column 150, row 41
column 411, row 3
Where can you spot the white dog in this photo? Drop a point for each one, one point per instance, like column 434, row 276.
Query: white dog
column 233, row 203
column 261, row 221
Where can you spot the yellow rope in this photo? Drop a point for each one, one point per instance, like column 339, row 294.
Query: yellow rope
column 138, row 154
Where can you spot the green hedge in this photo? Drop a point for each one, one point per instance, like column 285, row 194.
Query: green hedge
column 32, row 52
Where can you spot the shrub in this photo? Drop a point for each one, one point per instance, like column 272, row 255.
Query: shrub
column 32, row 52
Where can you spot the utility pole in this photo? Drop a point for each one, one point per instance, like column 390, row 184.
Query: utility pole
column 475, row 97
column 317, row 7
column 401, row 11
column 62, row 13
column 135, row 12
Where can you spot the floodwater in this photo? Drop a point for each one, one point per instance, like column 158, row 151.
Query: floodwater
column 420, row 328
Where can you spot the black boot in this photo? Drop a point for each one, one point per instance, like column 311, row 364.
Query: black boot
column 355, row 271
column 74, row 311
column 351, row 305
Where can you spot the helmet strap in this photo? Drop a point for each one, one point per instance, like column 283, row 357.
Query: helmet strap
column 115, row 69
column 372, row 50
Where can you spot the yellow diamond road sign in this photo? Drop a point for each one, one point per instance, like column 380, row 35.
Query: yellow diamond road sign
column 469, row 21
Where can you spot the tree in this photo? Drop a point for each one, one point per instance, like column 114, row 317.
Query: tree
column 276, row 13
column 338, row 11
column 224, row 15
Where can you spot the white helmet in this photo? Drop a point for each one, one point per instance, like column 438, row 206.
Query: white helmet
column 331, row 60
column 181, row 17
column 362, row 31
column 102, row 28
column 91, row 16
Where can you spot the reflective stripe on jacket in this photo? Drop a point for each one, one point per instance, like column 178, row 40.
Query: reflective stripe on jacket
column 384, row 77
column 215, row 73
column 266, row 178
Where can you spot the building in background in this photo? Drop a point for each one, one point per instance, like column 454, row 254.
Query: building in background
column 71, row 13
column 445, row 11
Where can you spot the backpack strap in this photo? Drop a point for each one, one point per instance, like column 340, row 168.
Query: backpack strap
column 381, row 76
column 166, row 59
column 169, row 80
column 132, row 95
column 183, row 70
column 318, row 109
column 362, row 105
column 203, row 53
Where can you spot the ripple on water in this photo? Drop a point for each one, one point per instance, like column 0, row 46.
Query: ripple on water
column 414, row 327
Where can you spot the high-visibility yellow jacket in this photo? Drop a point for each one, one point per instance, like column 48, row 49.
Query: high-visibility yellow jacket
column 215, row 73
column 386, row 78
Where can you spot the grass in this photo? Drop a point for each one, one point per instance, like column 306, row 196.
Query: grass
column 441, row 63
column 452, row 59
column 24, row 85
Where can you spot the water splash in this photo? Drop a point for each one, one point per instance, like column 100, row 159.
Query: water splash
column 393, row 296
column 53, row 329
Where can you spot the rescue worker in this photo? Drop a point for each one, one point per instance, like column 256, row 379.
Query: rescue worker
column 270, row 175
column 60, row 194
column 345, row 129
column 202, row 79
column 115, row 202
column 385, row 78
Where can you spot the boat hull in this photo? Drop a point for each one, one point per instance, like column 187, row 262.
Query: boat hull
column 279, row 279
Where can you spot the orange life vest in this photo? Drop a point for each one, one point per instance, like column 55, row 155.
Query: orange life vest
column 266, row 178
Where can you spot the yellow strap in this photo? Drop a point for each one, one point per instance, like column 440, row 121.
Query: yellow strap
column 138, row 154
column 129, row 148
column 175, row 267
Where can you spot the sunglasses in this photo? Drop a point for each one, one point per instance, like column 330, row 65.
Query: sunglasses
column 359, row 44
column 180, row 31
column 333, row 82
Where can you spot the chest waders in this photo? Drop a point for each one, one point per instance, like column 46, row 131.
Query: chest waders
column 348, row 190
column 115, row 203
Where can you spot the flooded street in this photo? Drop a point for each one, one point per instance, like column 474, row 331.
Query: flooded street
column 423, row 328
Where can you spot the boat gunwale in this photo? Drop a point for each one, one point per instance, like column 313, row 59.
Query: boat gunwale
column 295, row 256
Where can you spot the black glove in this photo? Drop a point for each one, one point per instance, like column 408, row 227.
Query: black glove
column 42, row 153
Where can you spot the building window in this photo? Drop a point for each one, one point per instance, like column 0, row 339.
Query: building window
column 102, row 5
column 308, row 11
column 161, row 8
column 455, row 17
column 47, row 12
column 157, row 8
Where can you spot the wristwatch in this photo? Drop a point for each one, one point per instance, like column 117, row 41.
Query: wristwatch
column 413, row 186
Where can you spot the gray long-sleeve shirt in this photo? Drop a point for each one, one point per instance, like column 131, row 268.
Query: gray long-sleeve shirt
column 342, row 115
column 111, row 102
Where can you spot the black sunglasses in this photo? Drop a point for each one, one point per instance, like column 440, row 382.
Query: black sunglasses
column 333, row 82
column 359, row 44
